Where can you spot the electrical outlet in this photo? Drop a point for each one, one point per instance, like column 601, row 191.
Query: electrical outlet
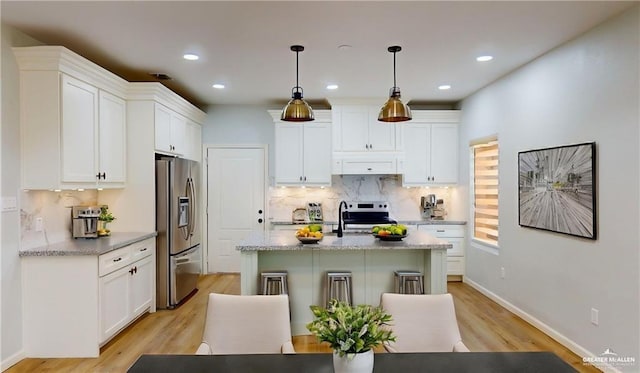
column 594, row 316
column 503, row 273
column 39, row 224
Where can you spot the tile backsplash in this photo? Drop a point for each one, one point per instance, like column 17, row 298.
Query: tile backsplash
column 55, row 210
column 404, row 203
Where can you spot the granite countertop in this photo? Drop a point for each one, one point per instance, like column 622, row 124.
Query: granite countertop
column 286, row 240
column 88, row 246
column 405, row 222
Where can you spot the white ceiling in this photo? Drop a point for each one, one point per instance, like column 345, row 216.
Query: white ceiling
column 245, row 44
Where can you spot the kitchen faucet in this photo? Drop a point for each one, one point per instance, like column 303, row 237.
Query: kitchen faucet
column 340, row 217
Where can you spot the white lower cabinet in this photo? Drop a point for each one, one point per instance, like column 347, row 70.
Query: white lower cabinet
column 126, row 289
column 74, row 304
column 455, row 234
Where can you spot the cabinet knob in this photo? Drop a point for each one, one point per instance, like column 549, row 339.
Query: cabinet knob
column 101, row 175
column 305, row 178
column 370, row 146
column 300, row 178
column 260, row 220
column 259, row 211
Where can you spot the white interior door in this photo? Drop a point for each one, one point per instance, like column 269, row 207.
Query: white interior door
column 236, row 203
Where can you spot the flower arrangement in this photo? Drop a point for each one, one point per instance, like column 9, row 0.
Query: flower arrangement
column 350, row 330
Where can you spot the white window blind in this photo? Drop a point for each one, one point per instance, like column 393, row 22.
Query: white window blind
column 485, row 181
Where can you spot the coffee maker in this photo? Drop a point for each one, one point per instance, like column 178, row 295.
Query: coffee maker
column 84, row 221
column 428, row 205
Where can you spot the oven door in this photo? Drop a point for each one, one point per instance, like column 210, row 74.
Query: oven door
column 185, row 270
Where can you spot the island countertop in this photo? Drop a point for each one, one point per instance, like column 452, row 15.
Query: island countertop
column 86, row 246
column 286, row 240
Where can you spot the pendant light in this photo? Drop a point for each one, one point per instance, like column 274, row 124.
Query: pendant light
column 297, row 110
column 394, row 110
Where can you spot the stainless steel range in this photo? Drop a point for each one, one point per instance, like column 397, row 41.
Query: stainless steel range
column 361, row 216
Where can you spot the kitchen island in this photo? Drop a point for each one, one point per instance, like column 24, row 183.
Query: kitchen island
column 370, row 261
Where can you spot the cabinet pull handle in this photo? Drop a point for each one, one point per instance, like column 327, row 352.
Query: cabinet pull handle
column 440, row 230
column 101, row 175
column 300, row 178
column 135, row 269
column 370, row 146
column 117, row 259
column 131, row 271
column 143, row 249
column 369, row 169
column 366, row 146
column 305, row 178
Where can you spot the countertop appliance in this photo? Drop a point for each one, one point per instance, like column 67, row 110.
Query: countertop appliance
column 428, row 204
column 314, row 211
column 178, row 249
column 361, row 216
column 84, row 221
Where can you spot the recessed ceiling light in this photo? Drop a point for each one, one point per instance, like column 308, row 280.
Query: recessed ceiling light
column 484, row 58
column 218, row 86
column 190, row 56
column 444, row 87
column 332, row 86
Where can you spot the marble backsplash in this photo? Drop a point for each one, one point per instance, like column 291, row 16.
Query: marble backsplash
column 55, row 210
column 404, row 203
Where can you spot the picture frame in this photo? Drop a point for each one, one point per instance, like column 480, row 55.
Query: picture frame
column 557, row 189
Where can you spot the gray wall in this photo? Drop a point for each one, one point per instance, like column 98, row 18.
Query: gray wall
column 11, row 299
column 585, row 90
column 240, row 125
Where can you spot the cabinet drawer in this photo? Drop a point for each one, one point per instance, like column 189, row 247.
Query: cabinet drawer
column 455, row 266
column 443, row 230
column 142, row 249
column 357, row 167
column 114, row 260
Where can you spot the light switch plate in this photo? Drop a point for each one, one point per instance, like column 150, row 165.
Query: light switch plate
column 9, row 204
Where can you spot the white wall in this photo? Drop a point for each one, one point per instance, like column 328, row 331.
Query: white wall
column 585, row 90
column 11, row 296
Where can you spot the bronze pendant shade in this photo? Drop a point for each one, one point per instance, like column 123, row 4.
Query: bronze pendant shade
column 297, row 109
column 394, row 110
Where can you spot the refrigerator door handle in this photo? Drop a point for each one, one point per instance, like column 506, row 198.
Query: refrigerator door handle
column 192, row 211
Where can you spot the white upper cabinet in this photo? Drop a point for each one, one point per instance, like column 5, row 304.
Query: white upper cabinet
column 73, row 121
column 193, row 141
column 357, row 129
column 79, row 131
column 112, row 134
column 431, row 148
column 303, row 151
column 171, row 131
column 362, row 144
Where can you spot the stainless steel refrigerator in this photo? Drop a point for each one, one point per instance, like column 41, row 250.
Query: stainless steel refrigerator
column 179, row 256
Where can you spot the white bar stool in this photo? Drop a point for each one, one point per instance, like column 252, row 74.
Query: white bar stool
column 274, row 283
column 408, row 282
column 339, row 287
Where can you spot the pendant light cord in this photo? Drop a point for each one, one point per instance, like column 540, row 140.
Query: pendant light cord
column 297, row 84
column 394, row 69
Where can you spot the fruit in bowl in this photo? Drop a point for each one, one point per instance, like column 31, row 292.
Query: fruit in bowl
column 389, row 230
column 310, row 231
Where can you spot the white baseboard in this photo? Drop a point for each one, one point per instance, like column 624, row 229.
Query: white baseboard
column 11, row 360
column 559, row 337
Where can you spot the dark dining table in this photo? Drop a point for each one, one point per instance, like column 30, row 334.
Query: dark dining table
column 432, row 362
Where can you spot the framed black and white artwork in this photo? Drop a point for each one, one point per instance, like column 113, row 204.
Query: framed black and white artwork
column 557, row 189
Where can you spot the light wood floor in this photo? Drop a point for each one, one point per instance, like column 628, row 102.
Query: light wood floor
column 484, row 325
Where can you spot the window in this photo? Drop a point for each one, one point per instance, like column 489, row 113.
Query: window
column 485, row 191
